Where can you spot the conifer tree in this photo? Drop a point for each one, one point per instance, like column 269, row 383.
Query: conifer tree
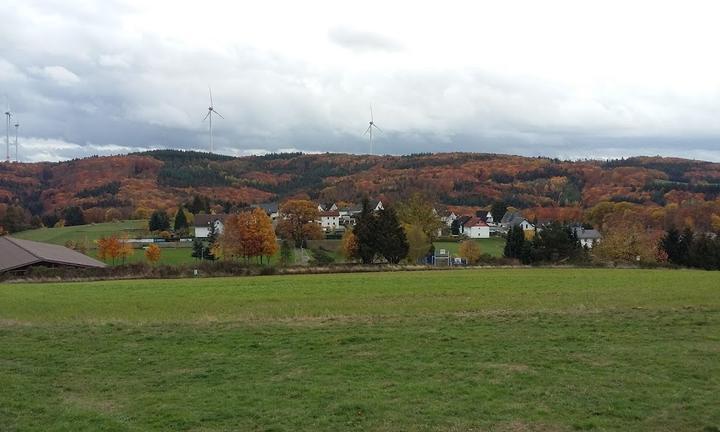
column 390, row 238
column 181, row 223
column 159, row 221
column 365, row 229
column 514, row 242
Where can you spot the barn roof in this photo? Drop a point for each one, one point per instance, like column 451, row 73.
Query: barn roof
column 17, row 253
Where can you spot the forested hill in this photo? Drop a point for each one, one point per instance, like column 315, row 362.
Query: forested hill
column 132, row 184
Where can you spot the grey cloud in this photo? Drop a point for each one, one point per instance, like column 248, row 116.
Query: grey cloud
column 357, row 40
column 81, row 82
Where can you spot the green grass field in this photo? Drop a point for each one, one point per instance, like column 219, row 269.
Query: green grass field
column 493, row 246
column 88, row 233
column 480, row 350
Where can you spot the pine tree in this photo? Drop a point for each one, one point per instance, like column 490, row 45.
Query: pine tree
column 670, row 244
column 514, row 243
column 159, row 221
column 365, row 229
column 212, row 239
column 181, row 223
column 198, row 249
column 390, row 236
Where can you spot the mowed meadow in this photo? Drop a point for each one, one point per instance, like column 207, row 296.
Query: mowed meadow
column 483, row 350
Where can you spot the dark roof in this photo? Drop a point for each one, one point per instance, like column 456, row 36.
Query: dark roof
column 509, row 216
column 17, row 253
column 587, row 234
column 353, row 209
column 514, row 219
column 330, row 213
column 271, row 207
column 203, row 220
column 462, row 220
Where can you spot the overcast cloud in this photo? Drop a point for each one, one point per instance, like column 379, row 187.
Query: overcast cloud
column 558, row 78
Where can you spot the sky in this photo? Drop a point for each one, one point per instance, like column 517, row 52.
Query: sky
column 569, row 79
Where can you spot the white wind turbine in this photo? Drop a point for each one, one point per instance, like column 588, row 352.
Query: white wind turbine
column 9, row 115
column 17, row 126
column 370, row 129
column 209, row 116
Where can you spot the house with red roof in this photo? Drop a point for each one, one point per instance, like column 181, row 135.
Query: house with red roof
column 476, row 228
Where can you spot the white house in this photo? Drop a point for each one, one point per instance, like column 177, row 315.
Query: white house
column 513, row 219
column 203, row 221
column 588, row 237
column 476, row 228
column 330, row 220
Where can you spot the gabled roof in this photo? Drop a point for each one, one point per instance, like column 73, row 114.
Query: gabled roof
column 270, row 207
column 330, row 213
column 587, row 234
column 17, row 253
column 510, row 216
column 462, row 219
column 475, row 222
column 513, row 219
column 203, row 220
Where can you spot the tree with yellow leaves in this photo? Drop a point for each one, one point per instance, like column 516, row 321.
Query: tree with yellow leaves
column 248, row 235
column 108, row 248
column 349, row 247
column 126, row 250
column 299, row 222
column 152, row 253
column 470, row 250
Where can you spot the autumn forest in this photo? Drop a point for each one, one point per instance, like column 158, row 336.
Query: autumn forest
column 653, row 192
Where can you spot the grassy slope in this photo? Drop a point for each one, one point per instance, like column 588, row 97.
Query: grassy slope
column 535, row 349
column 85, row 232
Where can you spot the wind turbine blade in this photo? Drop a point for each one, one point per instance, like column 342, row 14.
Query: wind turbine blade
column 371, row 114
column 210, row 90
column 215, row 111
column 376, row 127
column 369, row 129
column 206, row 115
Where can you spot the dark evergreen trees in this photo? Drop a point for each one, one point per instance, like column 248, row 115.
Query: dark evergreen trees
column 691, row 249
column 514, row 243
column 365, row 229
column 181, row 223
column 16, row 219
column 675, row 249
column 159, row 221
column 198, row 249
column 390, row 238
column 556, row 242
column 199, row 204
column 498, row 210
column 73, row 216
column 455, row 227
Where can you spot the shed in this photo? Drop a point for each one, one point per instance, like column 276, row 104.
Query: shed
column 18, row 255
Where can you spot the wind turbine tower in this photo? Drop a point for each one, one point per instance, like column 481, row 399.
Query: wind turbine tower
column 369, row 129
column 209, row 116
column 17, row 126
column 8, row 114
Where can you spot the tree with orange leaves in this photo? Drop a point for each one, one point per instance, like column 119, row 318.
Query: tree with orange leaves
column 299, row 222
column 248, row 235
column 152, row 253
column 125, row 251
column 109, row 248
